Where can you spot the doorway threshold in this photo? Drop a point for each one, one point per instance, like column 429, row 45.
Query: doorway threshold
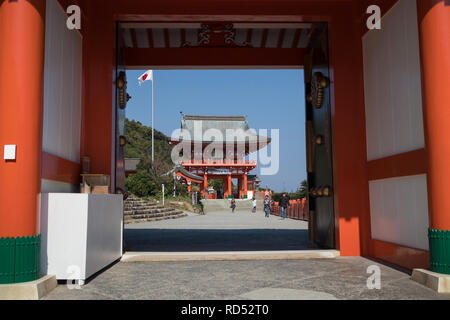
column 229, row 255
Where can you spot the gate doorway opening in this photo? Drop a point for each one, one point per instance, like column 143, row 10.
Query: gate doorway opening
column 140, row 49
column 268, row 105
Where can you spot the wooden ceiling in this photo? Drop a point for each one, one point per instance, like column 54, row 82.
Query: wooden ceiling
column 214, row 44
column 252, row 35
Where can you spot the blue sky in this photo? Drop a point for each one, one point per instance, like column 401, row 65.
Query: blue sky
column 271, row 99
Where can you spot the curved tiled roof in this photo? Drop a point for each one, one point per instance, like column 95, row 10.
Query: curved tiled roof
column 231, row 129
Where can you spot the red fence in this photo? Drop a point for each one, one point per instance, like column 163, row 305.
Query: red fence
column 298, row 209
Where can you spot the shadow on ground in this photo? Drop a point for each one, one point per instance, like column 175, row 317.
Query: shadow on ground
column 193, row 240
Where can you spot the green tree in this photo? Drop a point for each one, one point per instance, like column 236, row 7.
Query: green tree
column 150, row 174
column 217, row 184
column 302, row 191
column 141, row 184
column 139, row 142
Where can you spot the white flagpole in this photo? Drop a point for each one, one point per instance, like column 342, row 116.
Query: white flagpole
column 153, row 120
column 142, row 79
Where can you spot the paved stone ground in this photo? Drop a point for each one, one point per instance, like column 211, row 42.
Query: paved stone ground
column 218, row 231
column 340, row 278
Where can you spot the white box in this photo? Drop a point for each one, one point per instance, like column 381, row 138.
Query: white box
column 9, row 152
column 80, row 233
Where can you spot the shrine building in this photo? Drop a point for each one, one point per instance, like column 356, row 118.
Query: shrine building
column 220, row 155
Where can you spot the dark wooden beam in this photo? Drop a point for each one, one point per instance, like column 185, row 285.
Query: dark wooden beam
column 133, row 38
column 150, row 37
column 199, row 57
column 281, row 38
column 264, row 38
column 297, row 34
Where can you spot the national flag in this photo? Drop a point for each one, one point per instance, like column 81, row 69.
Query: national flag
column 147, row 76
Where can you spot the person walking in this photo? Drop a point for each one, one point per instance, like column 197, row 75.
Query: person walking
column 254, row 205
column 233, row 205
column 284, row 203
column 267, row 202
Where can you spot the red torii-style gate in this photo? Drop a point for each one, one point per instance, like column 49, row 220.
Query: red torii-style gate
column 229, row 162
column 235, row 170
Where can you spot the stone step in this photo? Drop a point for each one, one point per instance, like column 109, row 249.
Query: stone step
column 143, row 203
column 140, row 207
column 160, row 217
column 139, row 203
column 149, row 211
column 135, row 204
column 140, row 210
column 177, row 216
column 135, row 199
column 153, row 215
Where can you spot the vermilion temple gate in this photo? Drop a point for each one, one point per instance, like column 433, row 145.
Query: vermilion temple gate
column 383, row 99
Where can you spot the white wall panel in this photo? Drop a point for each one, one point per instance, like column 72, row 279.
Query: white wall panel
column 392, row 83
column 62, row 86
column 48, row 186
column 399, row 211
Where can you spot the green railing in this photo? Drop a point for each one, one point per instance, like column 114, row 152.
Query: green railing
column 19, row 259
column 439, row 250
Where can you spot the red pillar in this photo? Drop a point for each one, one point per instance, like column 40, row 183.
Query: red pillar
column 352, row 228
column 240, row 187
column 434, row 29
column 22, row 34
column 99, row 59
column 230, row 189
column 225, row 188
column 205, row 184
column 245, row 185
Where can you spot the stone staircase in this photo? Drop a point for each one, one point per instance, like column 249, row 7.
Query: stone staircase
column 137, row 210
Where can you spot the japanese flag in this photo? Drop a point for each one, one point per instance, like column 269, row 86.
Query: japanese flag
column 146, row 76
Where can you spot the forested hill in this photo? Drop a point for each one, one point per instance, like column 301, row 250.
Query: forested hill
column 139, row 142
column 149, row 175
